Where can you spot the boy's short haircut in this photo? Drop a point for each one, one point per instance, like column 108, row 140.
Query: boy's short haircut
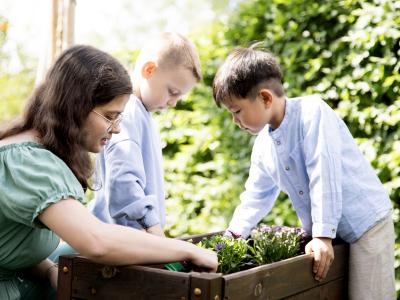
column 170, row 50
column 244, row 72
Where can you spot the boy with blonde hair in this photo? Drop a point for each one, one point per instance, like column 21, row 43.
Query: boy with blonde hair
column 130, row 167
column 304, row 149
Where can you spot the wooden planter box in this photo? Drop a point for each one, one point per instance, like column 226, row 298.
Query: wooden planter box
column 292, row 278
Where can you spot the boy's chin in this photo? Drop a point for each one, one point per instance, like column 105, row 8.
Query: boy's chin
column 254, row 132
column 157, row 109
column 251, row 131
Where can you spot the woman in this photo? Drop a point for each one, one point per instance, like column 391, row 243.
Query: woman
column 44, row 171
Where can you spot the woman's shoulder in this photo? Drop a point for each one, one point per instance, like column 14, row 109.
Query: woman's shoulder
column 27, row 166
column 22, row 150
column 33, row 178
column 28, row 156
column 18, row 150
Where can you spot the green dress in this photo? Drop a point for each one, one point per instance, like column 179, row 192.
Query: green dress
column 31, row 179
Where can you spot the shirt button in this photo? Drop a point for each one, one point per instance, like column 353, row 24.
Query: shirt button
column 287, row 168
column 278, row 142
column 301, row 192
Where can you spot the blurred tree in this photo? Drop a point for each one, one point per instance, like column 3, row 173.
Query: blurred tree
column 15, row 82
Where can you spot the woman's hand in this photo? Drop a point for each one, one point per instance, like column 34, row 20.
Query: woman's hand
column 45, row 270
column 206, row 259
column 323, row 253
column 52, row 275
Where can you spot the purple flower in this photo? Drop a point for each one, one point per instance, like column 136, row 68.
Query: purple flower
column 219, row 246
column 276, row 228
column 265, row 228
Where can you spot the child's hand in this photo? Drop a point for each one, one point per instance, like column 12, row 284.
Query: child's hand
column 322, row 250
column 156, row 230
column 230, row 233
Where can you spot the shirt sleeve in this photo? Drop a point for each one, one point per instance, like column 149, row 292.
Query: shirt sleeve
column 322, row 148
column 125, row 186
column 257, row 199
column 32, row 179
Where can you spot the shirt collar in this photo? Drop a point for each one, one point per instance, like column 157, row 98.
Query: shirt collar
column 285, row 121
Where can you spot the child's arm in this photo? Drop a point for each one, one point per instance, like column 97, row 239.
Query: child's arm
column 257, row 199
column 322, row 150
column 125, row 183
column 323, row 256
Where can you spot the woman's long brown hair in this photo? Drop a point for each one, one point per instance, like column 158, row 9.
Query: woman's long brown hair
column 81, row 78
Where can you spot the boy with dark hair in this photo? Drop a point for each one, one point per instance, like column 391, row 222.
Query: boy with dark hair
column 304, row 149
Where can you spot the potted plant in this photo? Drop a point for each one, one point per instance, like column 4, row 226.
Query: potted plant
column 269, row 265
column 267, row 244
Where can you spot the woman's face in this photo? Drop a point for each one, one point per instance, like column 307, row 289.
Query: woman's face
column 99, row 126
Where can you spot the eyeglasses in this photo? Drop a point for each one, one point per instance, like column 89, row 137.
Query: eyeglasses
column 113, row 123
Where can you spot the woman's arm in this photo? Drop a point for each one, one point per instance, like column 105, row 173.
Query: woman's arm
column 115, row 244
column 156, row 229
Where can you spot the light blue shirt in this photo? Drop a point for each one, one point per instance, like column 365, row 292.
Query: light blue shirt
column 313, row 158
column 130, row 171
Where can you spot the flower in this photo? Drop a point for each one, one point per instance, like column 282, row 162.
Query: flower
column 265, row 228
column 219, row 246
column 267, row 244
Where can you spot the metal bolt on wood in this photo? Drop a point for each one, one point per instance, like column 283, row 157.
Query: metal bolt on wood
column 65, row 269
column 216, row 297
column 93, row 291
column 197, row 292
column 108, row 272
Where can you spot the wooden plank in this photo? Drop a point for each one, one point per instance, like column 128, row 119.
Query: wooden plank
column 205, row 286
column 333, row 290
column 282, row 279
column 198, row 237
column 96, row 281
column 64, row 282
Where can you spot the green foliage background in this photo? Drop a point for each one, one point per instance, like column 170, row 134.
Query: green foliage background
column 348, row 51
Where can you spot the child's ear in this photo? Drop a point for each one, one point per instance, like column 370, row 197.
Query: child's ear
column 148, row 69
column 266, row 96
